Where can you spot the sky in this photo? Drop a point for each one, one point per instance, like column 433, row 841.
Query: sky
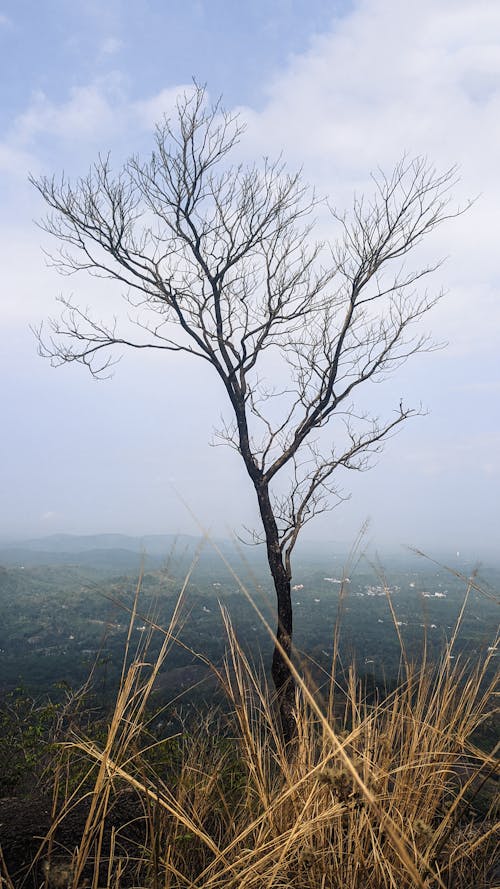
column 338, row 89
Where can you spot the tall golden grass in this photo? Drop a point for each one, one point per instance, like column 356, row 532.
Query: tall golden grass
column 374, row 793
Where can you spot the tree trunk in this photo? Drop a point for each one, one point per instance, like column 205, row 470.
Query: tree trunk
column 281, row 672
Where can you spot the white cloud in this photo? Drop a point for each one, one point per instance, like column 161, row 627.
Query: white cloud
column 15, row 161
column 90, row 113
column 151, row 111
column 98, row 113
column 111, row 45
column 95, row 117
column 390, row 79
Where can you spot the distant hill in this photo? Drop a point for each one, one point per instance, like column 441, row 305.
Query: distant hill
column 113, row 559
column 107, row 551
column 157, row 544
column 113, row 552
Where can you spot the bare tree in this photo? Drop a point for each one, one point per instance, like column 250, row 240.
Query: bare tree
column 219, row 261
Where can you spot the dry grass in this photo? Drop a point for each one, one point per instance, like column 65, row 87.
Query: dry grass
column 372, row 795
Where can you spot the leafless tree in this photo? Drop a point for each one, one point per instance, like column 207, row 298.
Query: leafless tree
column 219, row 261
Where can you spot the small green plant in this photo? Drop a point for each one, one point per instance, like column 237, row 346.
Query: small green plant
column 27, row 731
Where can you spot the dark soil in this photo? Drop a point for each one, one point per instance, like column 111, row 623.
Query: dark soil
column 25, row 823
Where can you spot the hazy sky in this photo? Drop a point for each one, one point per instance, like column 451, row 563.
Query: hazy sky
column 339, row 88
